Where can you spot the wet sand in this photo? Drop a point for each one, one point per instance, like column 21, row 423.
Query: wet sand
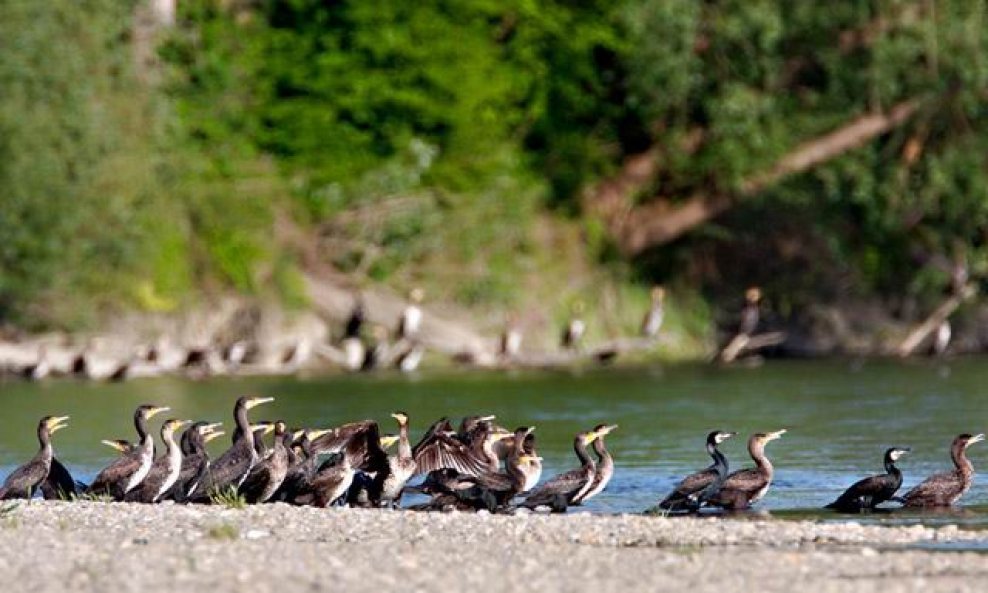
column 83, row 546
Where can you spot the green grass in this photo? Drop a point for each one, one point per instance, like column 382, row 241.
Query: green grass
column 229, row 498
column 223, row 532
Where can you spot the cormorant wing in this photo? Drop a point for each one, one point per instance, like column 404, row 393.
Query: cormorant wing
column 59, row 484
column 115, row 474
column 566, row 483
column 936, row 489
column 690, row 485
column 446, row 451
column 442, row 425
column 25, row 478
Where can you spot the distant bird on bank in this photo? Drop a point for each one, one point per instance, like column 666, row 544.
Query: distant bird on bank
column 745, row 487
column 376, row 351
column 411, row 318
column 355, row 322
column 509, row 345
column 694, row 490
column 751, row 312
column 26, row 479
column 870, row 492
column 652, row 323
column 575, row 328
column 946, row 488
column 941, row 338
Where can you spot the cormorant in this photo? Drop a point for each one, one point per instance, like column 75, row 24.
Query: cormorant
column 605, row 465
column 532, row 466
column 696, row 489
column 411, row 317
column 750, row 313
column 941, row 338
column 575, row 328
column 267, row 475
column 652, row 322
column 509, row 345
column 232, row 467
column 745, row 487
column 560, row 492
column 944, row 489
column 165, row 469
column 23, row 481
column 195, row 458
column 127, row 472
column 60, row 485
column 301, row 472
column 410, row 359
column 355, row 321
column 391, row 477
column 873, row 491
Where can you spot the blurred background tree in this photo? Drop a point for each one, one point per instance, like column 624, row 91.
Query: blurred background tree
column 504, row 153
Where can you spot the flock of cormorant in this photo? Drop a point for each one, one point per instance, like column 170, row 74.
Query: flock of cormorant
column 477, row 466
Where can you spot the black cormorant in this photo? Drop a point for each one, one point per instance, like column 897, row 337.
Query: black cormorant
column 944, row 489
column 232, row 467
column 873, row 491
column 696, row 489
column 560, row 491
column 127, row 472
column 267, row 475
column 745, row 487
column 165, row 469
column 24, row 480
column 195, row 458
column 605, row 464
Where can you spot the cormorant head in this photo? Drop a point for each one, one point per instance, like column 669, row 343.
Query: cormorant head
column 499, row 434
column 251, row 402
column 763, row 438
column 401, row 417
column 895, row 453
column 658, row 293
column 171, row 425
column 966, row 440
column 53, row 423
column 387, row 440
column 719, row 436
column 280, row 427
column 148, row 411
column 524, row 431
column 753, row 294
column 120, row 445
column 262, row 427
column 315, row 434
column 206, row 428
column 212, row 435
column 602, row 430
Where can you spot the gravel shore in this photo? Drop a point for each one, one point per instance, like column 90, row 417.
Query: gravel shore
column 86, row 546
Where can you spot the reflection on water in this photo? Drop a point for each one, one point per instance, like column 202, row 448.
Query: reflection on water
column 841, row 416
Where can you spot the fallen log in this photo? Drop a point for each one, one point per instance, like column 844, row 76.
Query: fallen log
column 922, row 331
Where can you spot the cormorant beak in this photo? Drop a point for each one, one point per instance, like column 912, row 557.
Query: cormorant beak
column 206, row 429
column 176, row 424
column 490, row 418
column 115, row 445
column 975, row 439
column 212, row 435
column 266, row 428
column 608, row 429
column 590, row 437
column 529, row 458
column 297, row 434
column 530, row 430
column 388, row 440
column 56, row 423
column 500, row 436
column 315, row 434
column 401, row 418
column 256, row 401
column 774, row 435
column 155, row 411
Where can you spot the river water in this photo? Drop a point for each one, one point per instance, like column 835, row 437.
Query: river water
column 841, row 416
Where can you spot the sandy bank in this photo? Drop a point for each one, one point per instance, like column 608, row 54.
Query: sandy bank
column 99, row 547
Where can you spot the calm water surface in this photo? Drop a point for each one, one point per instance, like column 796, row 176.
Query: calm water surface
column 840, row 415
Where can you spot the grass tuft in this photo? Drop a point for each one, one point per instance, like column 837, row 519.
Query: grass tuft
column 228, row 497
column 224, row 532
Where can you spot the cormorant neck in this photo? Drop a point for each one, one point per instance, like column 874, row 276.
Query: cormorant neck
column 890, row 467
column 246, row 433
column 44, row 439
column 761, row 461
column 141, row 424
column 404, row 447
column 961, row 462
column 603, row 455
column 720, row 462
column 581, row 452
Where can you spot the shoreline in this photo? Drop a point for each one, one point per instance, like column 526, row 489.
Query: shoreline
column 89, row 546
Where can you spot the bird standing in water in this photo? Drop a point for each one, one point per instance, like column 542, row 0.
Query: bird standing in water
column 694, row 490
column 873, row 491
column 745, row 487
column 946, row 488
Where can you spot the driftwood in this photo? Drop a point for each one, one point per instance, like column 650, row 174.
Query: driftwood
column 599, row 354
column 922, row 331
column 745, row 343
column 637, row 228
